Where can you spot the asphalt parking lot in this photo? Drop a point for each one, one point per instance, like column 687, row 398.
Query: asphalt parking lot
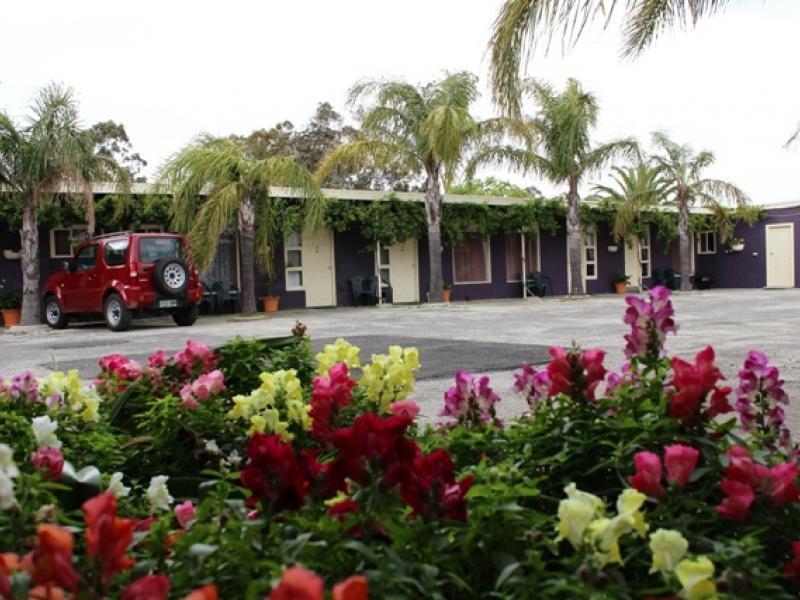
column 492, row 337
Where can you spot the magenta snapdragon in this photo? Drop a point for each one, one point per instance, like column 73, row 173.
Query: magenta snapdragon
column 470, row 401
column 23, row 388
column 531, row 384
column 759, row 397
column 202, row 389
column 650, row 321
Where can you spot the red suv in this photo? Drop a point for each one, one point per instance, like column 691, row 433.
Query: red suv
column 125, row 274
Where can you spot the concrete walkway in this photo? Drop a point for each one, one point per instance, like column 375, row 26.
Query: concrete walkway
column 463, row 335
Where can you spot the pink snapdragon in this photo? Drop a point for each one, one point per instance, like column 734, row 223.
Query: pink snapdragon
column 531, row 384
column 759, row 396
column 195, row 356
column 185, row 513
column 650, row 321
column 680, row 462
column 48, row 460
column 470, row 401
column 22, row 388
column 202, row 389
column 121, row 367
column 405, row 408
column 575, row 373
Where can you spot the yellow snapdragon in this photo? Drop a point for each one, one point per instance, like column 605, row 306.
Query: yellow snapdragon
column 668, row 547
column 69, row 391
column 274, row 406
column 340, row 351
column 695, row 577
column 390, row 377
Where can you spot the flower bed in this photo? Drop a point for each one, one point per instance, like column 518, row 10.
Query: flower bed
column 257, row 470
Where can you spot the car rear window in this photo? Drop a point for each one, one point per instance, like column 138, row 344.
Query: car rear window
column 153, row 249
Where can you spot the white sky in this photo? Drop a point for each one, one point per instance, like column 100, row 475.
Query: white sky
column 170, row 69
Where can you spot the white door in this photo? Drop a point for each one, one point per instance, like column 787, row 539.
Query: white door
column 632, row 267
column 780, row 255
column 318, row 273
column 403, row 273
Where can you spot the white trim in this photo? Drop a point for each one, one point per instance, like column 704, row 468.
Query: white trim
column 538, row 252
column 791, row 251
column 649, row 261
column 593, row 232
column 72, row 246
column 487, row 256
column 287, row 269
column 709, row 234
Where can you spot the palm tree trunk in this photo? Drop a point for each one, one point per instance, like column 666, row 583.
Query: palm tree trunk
column 29, row 261
column 574, row 246
column 684, row 250
column 246, row 219
column 433, row 213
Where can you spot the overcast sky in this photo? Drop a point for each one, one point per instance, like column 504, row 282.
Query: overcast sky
column 169, row 70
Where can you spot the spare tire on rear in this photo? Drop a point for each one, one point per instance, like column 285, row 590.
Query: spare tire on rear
column 171, row 276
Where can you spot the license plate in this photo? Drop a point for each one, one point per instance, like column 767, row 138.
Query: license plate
column 167, row 303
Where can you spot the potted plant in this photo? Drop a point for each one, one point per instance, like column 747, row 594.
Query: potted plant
column 620, row 281
column 447, row 289
column 736, row 244
column 270, row 301
column 10, row 305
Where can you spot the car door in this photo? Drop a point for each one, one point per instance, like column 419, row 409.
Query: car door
column 84, row 285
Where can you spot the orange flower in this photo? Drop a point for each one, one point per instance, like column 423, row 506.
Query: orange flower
column 207, row 592
column 107, row 537
column 298, row 584
column 46, row 592
column 352, row 588
column 51, row 560
column 9, row 563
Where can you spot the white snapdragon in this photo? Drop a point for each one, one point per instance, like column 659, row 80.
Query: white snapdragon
column 115, row 486
column 44, row 430
column 8, row 470
column 158, row 494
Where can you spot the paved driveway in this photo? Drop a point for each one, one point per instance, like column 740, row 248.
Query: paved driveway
column 491, row 337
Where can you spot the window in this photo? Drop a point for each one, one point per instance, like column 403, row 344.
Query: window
column 293, row 256
column 64, row 240
column 644, row 254
column 86, row 258
column 384, row 266
column 514, row 254
column 590, row 254
column 115, row 252
column 471, row 260
column 706, row 242
column 153, row 249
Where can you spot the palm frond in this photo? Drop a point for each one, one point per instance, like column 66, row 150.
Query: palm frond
column 627, row 149
column 370, row 153
column 716, row 191
column 217, row 214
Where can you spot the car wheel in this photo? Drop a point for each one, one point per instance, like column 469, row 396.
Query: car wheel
column 118, row 317
column 186, row 316
column 54, row 315
column 171, row 276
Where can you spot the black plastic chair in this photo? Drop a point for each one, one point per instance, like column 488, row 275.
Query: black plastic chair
column 539, row 284
column 671, row 279
column 658, row 277
column 357, row 289
column 208, row 305
column 226, row 295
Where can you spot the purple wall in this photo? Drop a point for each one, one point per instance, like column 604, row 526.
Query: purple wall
column 351, row 259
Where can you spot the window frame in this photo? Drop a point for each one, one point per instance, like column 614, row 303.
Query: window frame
column 487, row 257
column 528, row 241
column 644, row 242
column 74, row 241
column 287, row 269
column 706, row 234
column 586, row 262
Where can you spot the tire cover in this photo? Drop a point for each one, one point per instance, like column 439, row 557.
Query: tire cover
column 160, row 277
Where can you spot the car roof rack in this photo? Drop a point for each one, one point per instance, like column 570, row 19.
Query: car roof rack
column 108, row 235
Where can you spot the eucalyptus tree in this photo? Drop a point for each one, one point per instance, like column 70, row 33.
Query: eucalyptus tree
column 556, row 144
column 217, row 185
column 425, row 130
column 682, row 170
column 522, row 25
column 49, row 156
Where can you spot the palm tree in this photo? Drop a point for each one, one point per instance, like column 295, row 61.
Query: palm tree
column 425, row 129
column 215, row 184
column 48, row 157
column 522, row 25
column 682, row 170
column 636, row 191
column 558, row 147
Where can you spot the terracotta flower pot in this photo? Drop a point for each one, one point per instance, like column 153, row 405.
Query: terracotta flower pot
column 11, row 316
column 446, row 294
column 620, row 287
column 271, row 303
